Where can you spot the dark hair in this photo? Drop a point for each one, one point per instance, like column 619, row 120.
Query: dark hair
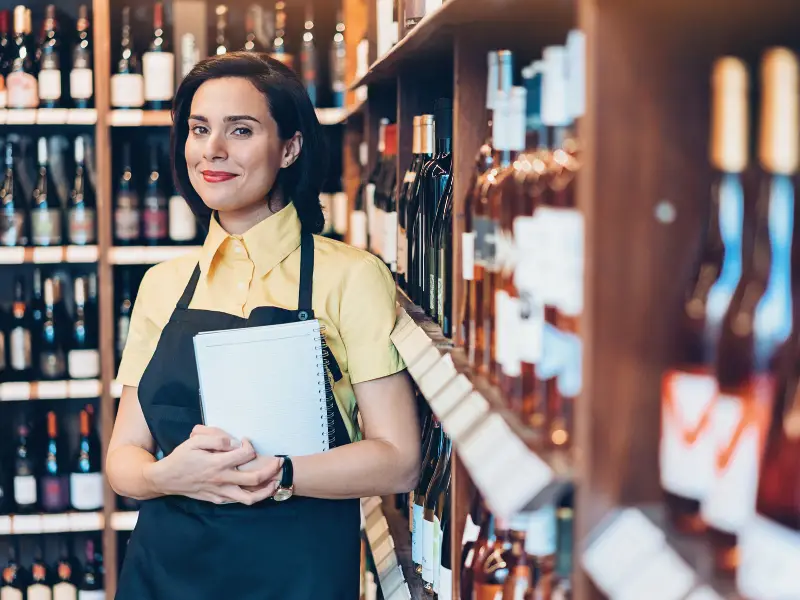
column 292, row 110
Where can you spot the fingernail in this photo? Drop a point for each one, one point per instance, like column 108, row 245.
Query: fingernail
column 235, row 443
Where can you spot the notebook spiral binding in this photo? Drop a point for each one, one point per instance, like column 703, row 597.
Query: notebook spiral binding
column 330, row 401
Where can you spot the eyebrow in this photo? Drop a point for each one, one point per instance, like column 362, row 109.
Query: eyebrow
column 229, row 119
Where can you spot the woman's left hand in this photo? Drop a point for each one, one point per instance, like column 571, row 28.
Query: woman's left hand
column 265, row 470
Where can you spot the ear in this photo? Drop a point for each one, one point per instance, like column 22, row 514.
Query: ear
column 291, row 150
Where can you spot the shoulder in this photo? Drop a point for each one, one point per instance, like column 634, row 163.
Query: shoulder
column 163, row 284
column 350, row 266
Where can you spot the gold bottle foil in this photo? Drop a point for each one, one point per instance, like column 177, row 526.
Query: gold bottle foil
column 778, row 142
column 729, row 115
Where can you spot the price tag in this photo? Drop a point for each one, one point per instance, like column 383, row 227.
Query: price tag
column 423, row 364
column 12, row 256
column 48, row 255
column 448, row 397
column 384, row 548
column 51, row 116
column 116, row 389
column 92, row 521
column 82, row 116
column 88, row 388
column 664, row 577
column 371, row 504
column 470, row 410
column 413, row 345
column 437, row 377
column 21, row 116
column 125, row 520
column 82, row 254
column 5, row 525
column 528, row 477
column 15, row 390
column 52, row 390
column 624, row 547
column 126, row 118
column 55, row 523
column 704, row 593
column 26, row 524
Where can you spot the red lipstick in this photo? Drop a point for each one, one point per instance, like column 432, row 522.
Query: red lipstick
column 218, row 176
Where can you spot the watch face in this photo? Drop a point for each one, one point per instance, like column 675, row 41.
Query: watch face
column 282, row 494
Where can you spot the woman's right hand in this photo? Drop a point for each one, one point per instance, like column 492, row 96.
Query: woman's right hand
column 204, row 468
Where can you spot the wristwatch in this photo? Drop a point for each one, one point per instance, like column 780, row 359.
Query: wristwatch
column 286, row 486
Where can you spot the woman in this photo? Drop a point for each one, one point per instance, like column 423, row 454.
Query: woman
column 247, row 156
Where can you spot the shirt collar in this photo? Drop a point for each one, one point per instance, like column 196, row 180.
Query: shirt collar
column 267, row 243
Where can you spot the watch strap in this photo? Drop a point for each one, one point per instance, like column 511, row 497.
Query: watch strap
column 287, row 477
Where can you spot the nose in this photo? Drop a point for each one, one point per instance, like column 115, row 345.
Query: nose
column 215, row 148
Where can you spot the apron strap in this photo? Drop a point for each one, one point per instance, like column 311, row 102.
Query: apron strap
column 188, row 292
column 306, row 276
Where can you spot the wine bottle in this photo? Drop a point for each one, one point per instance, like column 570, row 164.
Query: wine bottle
column 20, row 355
column 182, row 222
column 90, row 586
column 413, row 197
column 5, row 56
column 49, row 61
column 6, row 490
column 4, row 367
column 154, row 206
column 438, row 523
column 83, row 360
column 54, row 481
column 65, row 587
column 81, row 215
column 86, row 479
column 308, row 57
column 562, row 586
column 21, row 83
column 45, row 207
column 36, row 311
column 127, row 84
column 279, row 43
column 541, row 544
column 490, row 574
column 223, row 45
column 52, row 364
column 124, row 314
column 521, row 567
column 12, row 208
column 432, row 454
column 444, row 582
column 443, row 248
column 439, row 481
column 338, row 57
column 39, row 587
column 15, row 577
column 25, row 493
column 478, row 541
column 127, row 221
column 374, row 223
column 159, row 65
column 386, row 198
column 81, row 78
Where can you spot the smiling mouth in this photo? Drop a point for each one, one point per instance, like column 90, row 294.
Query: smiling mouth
column 218, row 176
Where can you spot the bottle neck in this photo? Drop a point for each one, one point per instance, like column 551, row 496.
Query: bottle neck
column 444, row 145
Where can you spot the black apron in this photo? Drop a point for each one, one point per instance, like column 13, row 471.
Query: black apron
column 186, row 549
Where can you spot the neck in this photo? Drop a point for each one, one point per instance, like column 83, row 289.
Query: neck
column 237, row 221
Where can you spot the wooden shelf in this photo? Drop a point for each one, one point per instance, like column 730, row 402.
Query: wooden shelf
column 507, row 20
column 124, row 520
column 509, row 464
column 49, row 255
column 147, row 255
column 48, row 116
column 47, row 523
column 139, row 118
column 635, row 550
column 49, row 390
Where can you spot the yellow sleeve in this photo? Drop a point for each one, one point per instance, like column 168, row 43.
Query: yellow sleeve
column 366, row 320
column 143, row 334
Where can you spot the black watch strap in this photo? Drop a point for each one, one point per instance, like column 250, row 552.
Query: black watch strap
column 287, row 478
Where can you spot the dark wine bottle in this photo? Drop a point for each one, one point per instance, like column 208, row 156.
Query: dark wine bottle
column 159, row 65
column 21, row 82
column 81, row 80
column 12, row 207
column 124, row 314
column 39, row 586
column 45, row 208
column 154, row 205
column 15, row 576
column 54, row 481
column 50, row 61
column 52, row 364
column 127, row 84
column 127, row 223
column 86, row 480
column 25, row 494
column 20, row 355
column 90, row 586
column 65, row 576
column 83, row 360
column 82, row 203
column 5, row 56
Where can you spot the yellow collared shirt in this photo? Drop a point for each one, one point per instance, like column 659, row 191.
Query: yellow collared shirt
column 354, row 297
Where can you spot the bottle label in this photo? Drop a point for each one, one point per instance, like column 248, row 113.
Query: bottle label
column 23, row 90
column 529, row 266
column 445, row 584
column 21, row 349
column 51, row 364
column 81, row 226
column 540, row 536
column 155, row 224
column 92, row 595
column 687, row 453
column 437, row 552
column 440, row 288
column 12, row 227
column 126, row 224
column 369, row 201
column 402, row 250
column 81, row 84
column 485, row 238
column 770, row 555
column 510, row 326
column 55, row 494
column 8, row 593
column 561, row 232
column 25, row 489
column 376, row 226
column 416, row 535
column 182, row 224
column 529, row 330
column 37, row 591
column 84, row 364
column 50, row 85
column 486, row 591
column 739, row 425
column 65, row 591
column 340, row 209
column 86, row 491
column 123, row 326
column 46, row 227
column 358, row 229
column 127, row 90
column 159, row 75
column 468, row 255
column 432, row 292
column 390, row 238
column 427, row 550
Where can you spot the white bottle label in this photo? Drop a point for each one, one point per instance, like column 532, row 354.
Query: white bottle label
column 37, row 591
column 84, row 364
column 687, row 446
column 23, row 90
column 92, row 595
column 20, row 349
column 25, row 489
column 500, row 319
column 8, row 593
column 86, row 491
column 127, row 90
column 545, row 269
column 529, row 329
column 540, row 537
column 512, row 365
column 81, row 84
column 358, row 229
column 49, row 85
column 340, row 208
column 427, row 550
column 182, row 224
column 416, row 535
column 445, row 584
column 770, row 561
column 390, row 238
column 738, row 426
column 159, row 75
column 437, row 552
column 65, row 591
column 468, row 255
column 568, row 247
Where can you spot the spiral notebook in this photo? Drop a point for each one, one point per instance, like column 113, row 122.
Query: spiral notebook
column 270, row 385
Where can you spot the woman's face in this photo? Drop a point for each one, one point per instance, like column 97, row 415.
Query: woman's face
column 233, row 151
